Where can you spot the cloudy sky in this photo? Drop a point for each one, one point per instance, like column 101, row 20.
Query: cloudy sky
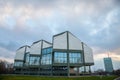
column 95, row 22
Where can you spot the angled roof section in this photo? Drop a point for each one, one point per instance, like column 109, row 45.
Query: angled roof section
column 36, row 48
column 46, row 44
column 23, row 46
column 21, row 51
column 66, row 39
column 74, row 42
column 60, row 41
column 38, row 45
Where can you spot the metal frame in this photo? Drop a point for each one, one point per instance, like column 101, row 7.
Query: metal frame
column 50, row 69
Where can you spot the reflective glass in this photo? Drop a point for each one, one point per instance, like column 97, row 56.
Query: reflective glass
column 60, row 57
column 46, row 51
column 18, row 64
column 34, row 60
column 75, row 57
column 46, row 59
column 46, row 56
column 27, row 57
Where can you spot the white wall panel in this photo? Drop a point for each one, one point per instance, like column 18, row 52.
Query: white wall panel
column 60, row 41
column 74, row 42
column 20, row 54
column 36, row 48
column 45, row 44
column 88, row 54
column 27, row 49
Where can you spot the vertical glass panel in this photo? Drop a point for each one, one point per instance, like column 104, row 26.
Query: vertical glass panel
column 60, row 57
column 46, row 56
column 34, row 60
column 46, row 51
column 75, row 57
column 49, row 50
column 27, row 57
column 18, row 63
column 46, row 59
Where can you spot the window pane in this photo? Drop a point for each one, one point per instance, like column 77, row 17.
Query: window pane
column 34, row 60
column 46, row 56
column 27, row 58
column 75, row 57
column 46, row 59
column 18, row 64
column 60, row 57
column 46, row 51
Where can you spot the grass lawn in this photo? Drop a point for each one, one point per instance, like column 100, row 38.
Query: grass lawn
column 18, row 77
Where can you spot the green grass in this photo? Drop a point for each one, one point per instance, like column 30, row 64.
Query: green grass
column 14, row 77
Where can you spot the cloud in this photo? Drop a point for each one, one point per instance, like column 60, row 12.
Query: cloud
column 6, row 55
column 9, row 46
column 94, row 22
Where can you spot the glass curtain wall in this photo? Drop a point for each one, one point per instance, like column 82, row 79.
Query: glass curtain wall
column 34, row 60
column 75, row 58
column 60, row 57
column 18, row 64
column 46, row 56
column 27, row 59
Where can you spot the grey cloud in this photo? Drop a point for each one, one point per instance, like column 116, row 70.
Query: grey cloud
column 35, row 3
column 11, row 39
column 8, row 40
column 56, row 4
column 106, row 41
column 87, row 19
column 107, row 33
column 12, row 46
column 4, row 53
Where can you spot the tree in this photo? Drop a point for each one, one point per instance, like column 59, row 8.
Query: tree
column 5, row 67
column 117, row 72
column 2, row 67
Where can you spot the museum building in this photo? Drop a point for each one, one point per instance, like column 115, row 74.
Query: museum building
column 65, row 56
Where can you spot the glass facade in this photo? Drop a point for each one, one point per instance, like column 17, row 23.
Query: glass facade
column 26, row 59
column 46, row 51
column 65, row 56
column 108, row 64
column 46, row 56
column 18, row 64
column 46, row 59
column 60, row 57
column 34, row 60
column 75, row 57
